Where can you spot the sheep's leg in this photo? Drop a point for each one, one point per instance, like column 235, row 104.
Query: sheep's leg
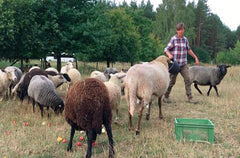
column 48, row 111
column 110, row 139
column 148, row 111
column 69, row 148
column 195, row 85
column 41, row 108
column 130, row 122
column 90, row 135
column 116, row 119
column 33, row 104
column 160, row 107
column 209, row 90
column 215, row 87
column 28, row 99
column 139, row 118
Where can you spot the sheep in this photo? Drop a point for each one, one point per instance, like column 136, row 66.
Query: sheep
column 108, row 71
column 52, row 69
column 18, row 74
column 58, row 79
column 43, row 92
column 98, row 75
column 144, row 82
column 87, row 107
column 74, row 75
column 114, row 89
column 122, row 73
column 34, row 67
column 6, row 77
column 212, row 76
column 66, row 68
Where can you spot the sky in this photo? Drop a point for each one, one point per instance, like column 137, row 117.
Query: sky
column 227, row 10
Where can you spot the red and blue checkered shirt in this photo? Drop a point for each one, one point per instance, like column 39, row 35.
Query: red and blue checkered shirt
column 178, row 47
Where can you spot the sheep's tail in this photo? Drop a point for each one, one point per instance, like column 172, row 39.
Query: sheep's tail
column 130, row 92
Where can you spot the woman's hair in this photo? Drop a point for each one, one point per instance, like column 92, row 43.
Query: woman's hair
column 180, row 26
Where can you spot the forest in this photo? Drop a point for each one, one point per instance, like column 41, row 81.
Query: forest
column 102, row 31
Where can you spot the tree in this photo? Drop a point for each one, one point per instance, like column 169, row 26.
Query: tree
column 125, row 37
column 202, row 12
column 62, row 26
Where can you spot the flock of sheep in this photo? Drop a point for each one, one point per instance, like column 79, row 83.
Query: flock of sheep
column 89, row 103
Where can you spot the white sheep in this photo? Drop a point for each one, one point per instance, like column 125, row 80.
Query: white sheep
column 114, row 89
column 74, row 75
column 144, row 82
column 18, row 74
column 6, row 77
column 34, row 67
column 66, row 68
column 52, row 69
column 98, row 75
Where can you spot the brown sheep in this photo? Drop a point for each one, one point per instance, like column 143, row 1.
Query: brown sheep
column 87, row 107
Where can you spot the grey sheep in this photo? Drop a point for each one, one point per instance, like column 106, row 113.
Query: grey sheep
column 207, row 76
column 43, row 92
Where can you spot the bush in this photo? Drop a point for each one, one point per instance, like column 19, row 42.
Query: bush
column 230, row 57
column 202, row 55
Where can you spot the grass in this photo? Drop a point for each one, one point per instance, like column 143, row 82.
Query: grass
column 155, row 140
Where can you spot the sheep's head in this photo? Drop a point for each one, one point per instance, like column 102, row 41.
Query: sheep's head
column 69, row 66
column 117, row 78
column 59, row 79
column 11, row 74
column 223, row 69
column 108, row 71
column 163, row 59
column 58, row 108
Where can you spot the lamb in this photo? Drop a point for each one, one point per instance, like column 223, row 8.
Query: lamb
column 18, row 74
column 108, row 71
column 43, row 92
column 212, row 76
column 87, row 107
column 74, row 75
column 114, row 89
column 144, row 82
column 6, row 77
column 98, row 75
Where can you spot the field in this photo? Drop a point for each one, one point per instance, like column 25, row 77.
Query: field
column 156, row 139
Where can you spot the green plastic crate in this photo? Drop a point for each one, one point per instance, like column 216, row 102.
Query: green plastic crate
column 194, row 129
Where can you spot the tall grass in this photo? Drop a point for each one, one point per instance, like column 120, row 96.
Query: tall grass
column 156, row 139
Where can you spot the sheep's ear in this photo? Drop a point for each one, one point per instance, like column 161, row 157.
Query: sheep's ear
column 3, row 70
column 67, row 77
column 121, row 76
column 227, row 66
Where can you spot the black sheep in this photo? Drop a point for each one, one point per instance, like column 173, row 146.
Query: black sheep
column 87, row 107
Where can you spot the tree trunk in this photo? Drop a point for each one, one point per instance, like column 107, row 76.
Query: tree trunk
column 21, row 64
column 108, row 63
column 58, row 62
column 76, row 63
column 97, row 66
column 199, row 33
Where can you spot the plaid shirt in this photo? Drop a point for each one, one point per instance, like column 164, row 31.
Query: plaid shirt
column 178, row 47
